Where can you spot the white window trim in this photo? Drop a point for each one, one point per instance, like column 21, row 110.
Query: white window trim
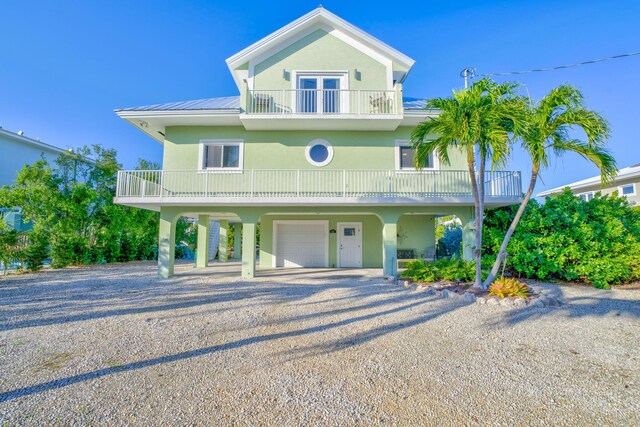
column 327, row 144
column 274, row 246
column 343, row 75
column 407, row 143
column 586, row 195
column 213, row 142
column 635, row 192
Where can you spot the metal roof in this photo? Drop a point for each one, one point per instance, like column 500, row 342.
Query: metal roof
column 225, row 103
column 233, row 103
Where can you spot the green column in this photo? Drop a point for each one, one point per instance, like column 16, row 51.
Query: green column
column 223, row 255
column 166, row 244
column 468, row 234
column 237, row 240
column 202, row 255
column 389, row 248
column 248, row 250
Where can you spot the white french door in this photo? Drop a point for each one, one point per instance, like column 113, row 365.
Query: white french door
column 321, row 94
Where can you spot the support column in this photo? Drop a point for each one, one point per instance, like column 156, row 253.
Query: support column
column 468, row 235
column 237, row 240
column 390, row 248
column 223, row 255
column 202, row 254
column 166, row 244
column 248, row 250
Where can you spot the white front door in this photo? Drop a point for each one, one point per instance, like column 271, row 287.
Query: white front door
column 350, row 244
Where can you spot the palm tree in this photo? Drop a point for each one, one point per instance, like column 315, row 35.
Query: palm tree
column 480, row 118
column 548, row 131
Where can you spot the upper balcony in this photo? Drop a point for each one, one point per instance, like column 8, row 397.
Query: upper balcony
column 332, row 109
column 152, row 189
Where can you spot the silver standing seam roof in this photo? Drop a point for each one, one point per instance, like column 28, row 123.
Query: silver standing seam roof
column 233, row 103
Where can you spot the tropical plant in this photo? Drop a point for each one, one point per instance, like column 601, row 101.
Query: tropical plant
column 483, row 117
column 450, row 244
column 548, row 131
column 504, row 287
column 568, row 239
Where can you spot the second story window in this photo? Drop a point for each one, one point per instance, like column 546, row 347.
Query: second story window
column 627, row 190
column 405, row 158
column 221, row 155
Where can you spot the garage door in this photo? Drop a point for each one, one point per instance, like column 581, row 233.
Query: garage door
column 301, row 243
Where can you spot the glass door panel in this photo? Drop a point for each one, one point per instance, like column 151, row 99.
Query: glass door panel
column 331, row 95
column 308, row 95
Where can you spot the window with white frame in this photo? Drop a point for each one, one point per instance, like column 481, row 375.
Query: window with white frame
column 627, row 190
column 405, row 158
column 586, row 196
column 221, row 154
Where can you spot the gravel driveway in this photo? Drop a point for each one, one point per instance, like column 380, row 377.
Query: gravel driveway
column 113, row 345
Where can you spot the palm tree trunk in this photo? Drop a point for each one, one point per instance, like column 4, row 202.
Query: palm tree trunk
column 471, row 163
column 512, row 228
column 479, row 222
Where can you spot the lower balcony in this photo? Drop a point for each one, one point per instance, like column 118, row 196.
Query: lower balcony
column 152, row 189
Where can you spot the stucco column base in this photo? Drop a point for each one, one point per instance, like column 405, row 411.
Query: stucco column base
column 202, row 252
column 166, row 244
column 390, row 248
column 249, row 250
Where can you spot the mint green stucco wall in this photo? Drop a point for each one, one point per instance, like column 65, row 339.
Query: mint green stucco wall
column 416, row 232
column 320, row 51
column 286, row 149
column 419, row 229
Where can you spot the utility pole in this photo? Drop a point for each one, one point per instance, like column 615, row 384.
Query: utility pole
column 466, row 73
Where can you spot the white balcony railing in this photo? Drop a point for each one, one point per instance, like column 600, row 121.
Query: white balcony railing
column 330, row 102
column 263, row 183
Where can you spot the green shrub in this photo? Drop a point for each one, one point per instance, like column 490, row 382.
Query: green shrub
column 568, row 239
column 450, row 269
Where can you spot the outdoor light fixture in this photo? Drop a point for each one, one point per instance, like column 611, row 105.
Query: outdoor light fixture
column 332, row 231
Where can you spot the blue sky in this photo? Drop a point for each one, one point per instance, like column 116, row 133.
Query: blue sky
column 64, row 66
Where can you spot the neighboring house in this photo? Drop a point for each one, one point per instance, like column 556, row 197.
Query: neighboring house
column 626, row 184
column 19, row 150
column 315, row 149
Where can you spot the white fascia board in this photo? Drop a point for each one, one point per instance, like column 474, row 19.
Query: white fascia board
column 30, row 141
column 321, row 16
column 152, row 122
column 623, row 174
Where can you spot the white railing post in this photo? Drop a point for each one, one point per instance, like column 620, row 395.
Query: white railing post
column 252, row 181
column 298, row 182
column 344, row 183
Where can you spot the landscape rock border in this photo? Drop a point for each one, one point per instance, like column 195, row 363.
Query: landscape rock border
column 443, row 291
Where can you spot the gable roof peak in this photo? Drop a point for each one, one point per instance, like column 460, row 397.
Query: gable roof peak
column 317, row 17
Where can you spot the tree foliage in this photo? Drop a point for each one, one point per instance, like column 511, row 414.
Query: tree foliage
column 568, row 239
column 70, row 205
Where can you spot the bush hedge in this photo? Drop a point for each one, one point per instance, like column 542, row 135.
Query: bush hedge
column 568, row 239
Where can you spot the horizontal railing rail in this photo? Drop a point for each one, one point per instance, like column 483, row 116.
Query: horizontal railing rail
column 310, row 183
column 322, row 102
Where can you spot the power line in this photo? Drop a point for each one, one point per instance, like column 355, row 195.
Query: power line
column 470, row 71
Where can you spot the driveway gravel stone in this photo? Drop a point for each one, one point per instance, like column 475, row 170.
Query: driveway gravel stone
column 113, row 345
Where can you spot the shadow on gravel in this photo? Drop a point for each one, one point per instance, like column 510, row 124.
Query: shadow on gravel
column 73, row 295
column 411, row 300
column 583, row 306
